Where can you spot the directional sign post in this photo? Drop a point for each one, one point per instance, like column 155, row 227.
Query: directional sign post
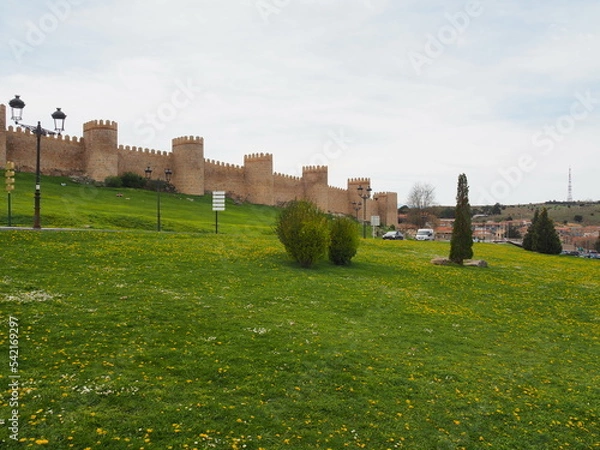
column 218, row 204
column 375, row 222
column 9, row 173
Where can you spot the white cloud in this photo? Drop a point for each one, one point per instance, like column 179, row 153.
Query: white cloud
column 317, row 68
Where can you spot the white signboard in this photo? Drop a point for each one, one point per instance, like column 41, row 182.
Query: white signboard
column 375, row 221
column 218, row 201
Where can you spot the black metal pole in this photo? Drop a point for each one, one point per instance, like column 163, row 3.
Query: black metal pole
column 158, row 204
column 216, row 222
column 36, row 208
column 9, row 211
column 365, row 220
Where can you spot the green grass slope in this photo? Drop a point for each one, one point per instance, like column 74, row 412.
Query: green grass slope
column 65, row 204
column 130, row 340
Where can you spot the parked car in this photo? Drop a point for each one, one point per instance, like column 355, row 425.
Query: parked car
column 592, row 254
column 393, row 235
column 424, row 234
column 570, row 253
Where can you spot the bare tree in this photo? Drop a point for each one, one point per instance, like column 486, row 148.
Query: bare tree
column 420, row 199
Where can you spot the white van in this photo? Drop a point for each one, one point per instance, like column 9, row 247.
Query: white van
column 425, row 234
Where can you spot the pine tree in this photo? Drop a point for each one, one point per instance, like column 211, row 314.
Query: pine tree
column 461, row 244
column 541, row 235
column 548, row 241
column 530, row 236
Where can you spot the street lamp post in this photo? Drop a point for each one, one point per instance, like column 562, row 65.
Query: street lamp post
column 168, row 173
column 17, row 105
column 365, row 194
column 356, row 206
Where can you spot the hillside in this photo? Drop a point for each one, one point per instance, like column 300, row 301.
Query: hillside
column 561, row 213
column 68, row 204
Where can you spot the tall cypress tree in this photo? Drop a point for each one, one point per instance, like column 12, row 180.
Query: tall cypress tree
column 461, row 244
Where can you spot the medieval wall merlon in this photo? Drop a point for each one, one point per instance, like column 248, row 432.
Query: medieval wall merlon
column 58, row 137
column 314, row 169
column 258, row 157
column 151, row 151
column 223, row 164
column 100, row 124
column 287, row 177
column 183, row 140
column 366, row 181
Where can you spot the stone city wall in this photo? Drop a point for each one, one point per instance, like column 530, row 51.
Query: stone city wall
column 98, row 155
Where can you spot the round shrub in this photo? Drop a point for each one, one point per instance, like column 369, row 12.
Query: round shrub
column 303, row 230
column 133, row 180
column 114, row 182
column 344, row 240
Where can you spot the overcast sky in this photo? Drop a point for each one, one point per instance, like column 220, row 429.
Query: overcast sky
column 406, row 91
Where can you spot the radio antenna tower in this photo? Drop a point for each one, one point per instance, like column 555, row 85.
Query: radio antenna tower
column 570, row 192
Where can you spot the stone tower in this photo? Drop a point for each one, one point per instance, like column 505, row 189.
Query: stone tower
column 188, row 164
column 386, row 207
column 258, row 174
column 316, row 190
column 2, row 135
column 353, row 185
column 100, row 140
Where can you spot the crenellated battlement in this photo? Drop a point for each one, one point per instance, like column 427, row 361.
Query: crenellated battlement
column 148, row 151
column 287, row 177
column 100, row 124
column 359, row 181
column 59, row 137
column 314, row 169
column 182, row 140
column 223, row 164
column 258, row 157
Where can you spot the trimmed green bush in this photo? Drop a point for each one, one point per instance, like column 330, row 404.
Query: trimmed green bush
column 344, row 240
column 303, row 230
column 133, row 180
column 113, row 181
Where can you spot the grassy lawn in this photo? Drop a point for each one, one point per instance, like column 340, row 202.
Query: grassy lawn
column 194, row 340
column 66, row 204
column 131, row 339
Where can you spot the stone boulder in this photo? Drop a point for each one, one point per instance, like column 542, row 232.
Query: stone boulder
column 476, row 263
column 441, row 261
